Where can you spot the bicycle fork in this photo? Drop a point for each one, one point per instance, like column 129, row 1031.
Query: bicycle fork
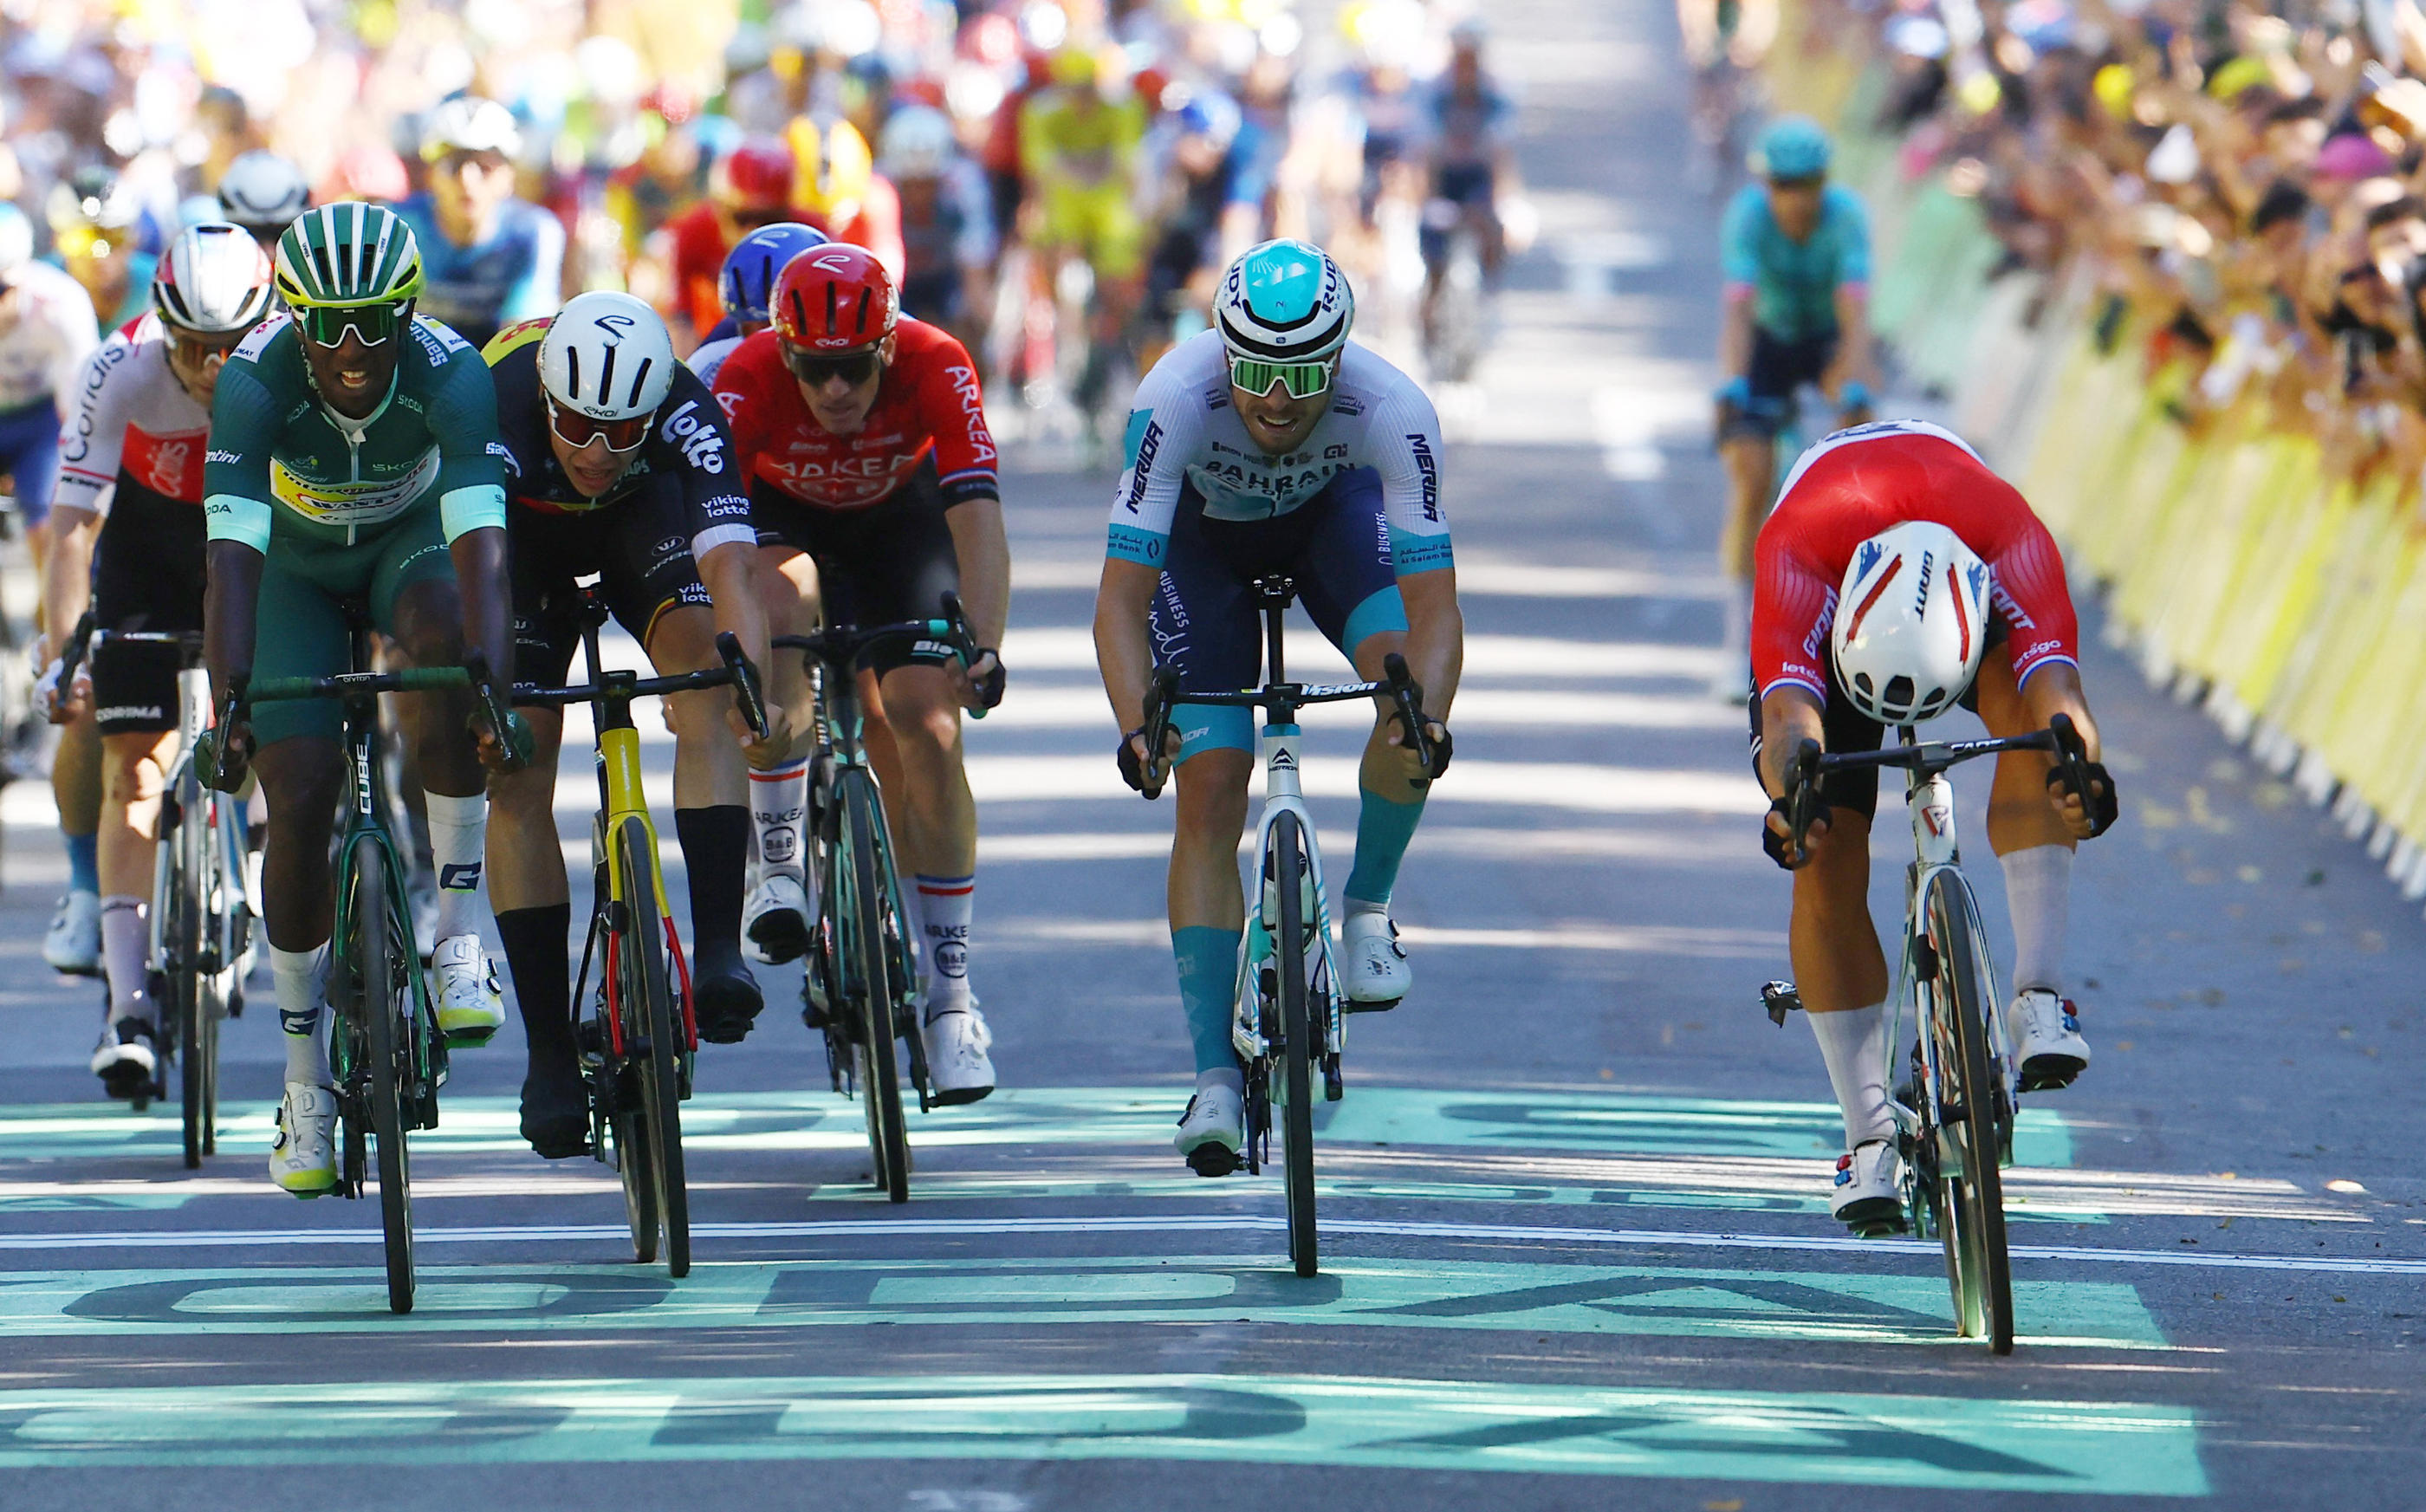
column 617, row 761
column 1283, row 792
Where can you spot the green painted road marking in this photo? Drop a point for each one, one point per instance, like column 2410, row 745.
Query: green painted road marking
column 1952, row 1444
column 1594, row 1299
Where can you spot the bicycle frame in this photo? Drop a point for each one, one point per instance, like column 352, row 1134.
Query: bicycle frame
column 617, row 758
column 194, row 715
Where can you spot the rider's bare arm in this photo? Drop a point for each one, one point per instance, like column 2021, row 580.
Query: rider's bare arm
column 2054, row 687
column 1123, row 648
column 1435, row 636
column 1853, row 364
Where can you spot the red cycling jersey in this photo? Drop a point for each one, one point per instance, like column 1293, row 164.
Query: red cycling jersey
column 930, row 403
column 1855, row 484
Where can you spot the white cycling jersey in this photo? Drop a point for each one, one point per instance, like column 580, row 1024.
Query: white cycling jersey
column 132, row 415
column 1183, row 432
column 46, row 332
column 707, row 358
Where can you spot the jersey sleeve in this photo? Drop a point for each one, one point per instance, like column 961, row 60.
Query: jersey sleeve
column 2029, row 592
column 952, row 402
column 1793, row 604
column 244, row 419
column 693, row 444
column 1852, row 240
column 1164, row 431
column 1403, row 434
column 94, row 440
column 470, row 484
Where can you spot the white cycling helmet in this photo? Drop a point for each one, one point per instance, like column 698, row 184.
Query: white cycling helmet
column 263, row 191
column 606, row 355
column 213, row 280
column 468, row 124
column 1284, row 301
column 1912, row 618
column 916, row 143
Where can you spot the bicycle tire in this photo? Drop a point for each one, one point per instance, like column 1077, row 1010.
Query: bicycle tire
column 1296, row 1046
column 1979, row 1268
column 380, row 980
column 183, row 929
column 631, row 1161
column 650, row 1010
column 888, row 1135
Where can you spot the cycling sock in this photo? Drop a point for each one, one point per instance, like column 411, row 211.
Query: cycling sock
column 534, row 939
column 1855, row 1049
column 714, row 840
column 1383, row 831
column 297, row 977
column 84, row 862
column 125, row 940
column 2038, row 889
column 458, row 831
column 942, row 919
column 1208, row 974
column 777, row 801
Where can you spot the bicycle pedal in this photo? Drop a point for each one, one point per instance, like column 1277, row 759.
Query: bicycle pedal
column 469, row 1039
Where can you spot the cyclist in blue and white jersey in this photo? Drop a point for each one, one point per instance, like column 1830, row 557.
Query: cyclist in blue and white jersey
column 1795, row 253
column 1272, row 444
column 490, row 259
column 1469, row 132
column 744, row 286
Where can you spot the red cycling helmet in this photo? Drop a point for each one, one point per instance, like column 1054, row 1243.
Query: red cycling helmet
column 760, row 172
column 833, row 299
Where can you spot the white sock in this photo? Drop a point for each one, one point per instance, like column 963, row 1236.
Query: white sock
column 778, row 799
column 2038, row 889
column 459, row 834
column 1853, row 1044
column 300, row 979
column 914, row 917
column 125, row 941
column 942, row 916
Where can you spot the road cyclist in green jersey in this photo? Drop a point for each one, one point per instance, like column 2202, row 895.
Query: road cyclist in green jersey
column 1275, row 445
column 354, row 468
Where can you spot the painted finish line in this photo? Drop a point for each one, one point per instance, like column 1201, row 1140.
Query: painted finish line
column 1591, row 1299
column 1952, row 1444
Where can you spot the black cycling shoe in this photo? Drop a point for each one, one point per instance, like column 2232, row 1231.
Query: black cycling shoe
column 556, row 1108
column 128, row 1059
column 725, row 1000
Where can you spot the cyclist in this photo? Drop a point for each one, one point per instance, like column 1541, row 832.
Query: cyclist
column 947, row 222
column 490, row 258
column 838, row 191
column 264, row 193
column 1725, row 42
column 1470, row 125
column 750, row 188
column 1273, row 444
column 1080, row 153
column 1795, row 253
column 354, row 462
column 748, row 280
column 1939, row 560
column 872, row 475
column 100, row 234
column 131, row 489
column 1214, row 200
column 618, row 462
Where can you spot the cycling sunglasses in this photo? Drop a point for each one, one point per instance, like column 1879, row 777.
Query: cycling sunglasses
column 1302, row 380
column 854, row 367
column 373, row 325
column 577, row 431
column 195, row 348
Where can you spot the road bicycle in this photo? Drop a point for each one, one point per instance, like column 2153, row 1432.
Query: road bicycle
column 1955, row 1117
column 860, row 986
column 201, row 909
column 1290, row 1014
column 639, row 1043
column 386, row 1054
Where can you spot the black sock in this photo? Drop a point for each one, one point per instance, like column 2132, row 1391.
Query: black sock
column 535, row 941
column 715, row 854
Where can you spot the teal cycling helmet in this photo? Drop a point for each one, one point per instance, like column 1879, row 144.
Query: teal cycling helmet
column 1791, row 147
column 1284, row 301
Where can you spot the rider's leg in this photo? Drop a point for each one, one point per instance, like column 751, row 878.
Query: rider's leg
column 133, row 768
column 2035, row 850
column 711, row 815
column 938, row 830
column 72, row 941
column 430, row 626
column 779, row 797
column 534, row 913
column 302, row 778
column 1208, row 904
column 1841, row 973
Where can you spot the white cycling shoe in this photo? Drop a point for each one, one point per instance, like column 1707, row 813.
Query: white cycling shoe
column 1374, row 962
column 1869, row 1193
column 303, row 1159
column 72, row 943
column 471, row 1006
column 959, row 1069
column 775, row 921
column 128, row 1059
column 1213, row 1131
column 2046, row 1040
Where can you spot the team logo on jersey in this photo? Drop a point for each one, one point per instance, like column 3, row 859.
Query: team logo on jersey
column 1141, row 466
column 1430, row 471
column 702, row 444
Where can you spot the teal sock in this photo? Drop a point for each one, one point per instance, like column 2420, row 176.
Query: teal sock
column 1208, row 974
column 1383, row 831
column 84, row 863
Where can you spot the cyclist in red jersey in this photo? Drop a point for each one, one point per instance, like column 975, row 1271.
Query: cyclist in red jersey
column 1872, row 513
column 752, row 188
column 871, row 478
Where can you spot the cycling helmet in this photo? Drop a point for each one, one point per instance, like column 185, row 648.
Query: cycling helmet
column 1791, row 147
column 916, row 143
column 759, row 171
column 1211, row 115
column 1284, row 301
column 468, row 124
column 264, row 193
column 748, row 282
column 835, row 164
column 347, row 253
column 213, row 280
column 606, row 355
column 1912, row 618
column 93, row 197
column 16, row 238
column 837, row 298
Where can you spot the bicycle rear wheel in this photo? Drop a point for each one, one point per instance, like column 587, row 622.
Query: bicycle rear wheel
column 654, row 1019
column 1297, row 1045
column 385, row 1005
column 1973, row 1234
column 866, row 966
column 184, row 816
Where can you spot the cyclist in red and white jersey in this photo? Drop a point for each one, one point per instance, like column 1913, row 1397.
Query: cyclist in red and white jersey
column 1898, row 576
column 862, row 435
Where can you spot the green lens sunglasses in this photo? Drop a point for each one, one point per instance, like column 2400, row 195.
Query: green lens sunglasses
column 325, row 325
column 1302, row 380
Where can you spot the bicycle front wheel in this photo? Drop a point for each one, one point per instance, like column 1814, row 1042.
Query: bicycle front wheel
column 867, row 969
column 188, row 821
column 1973, row 1233
column 1297, row 1043
column 385, row 1001
column 653, row 1024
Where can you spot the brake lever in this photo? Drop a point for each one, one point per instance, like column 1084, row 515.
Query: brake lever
column 501, row 720
column 745, row 682
column 71, row 655
column 965, row 643
column 1160, row 698
column 1803, row 807
column 2071, row 755
column 1410, row 715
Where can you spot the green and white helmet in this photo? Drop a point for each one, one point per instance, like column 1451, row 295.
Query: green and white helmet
column 1284, row 301
column 351, row 253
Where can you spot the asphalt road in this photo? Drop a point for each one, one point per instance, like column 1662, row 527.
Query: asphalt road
column 1578, row 1246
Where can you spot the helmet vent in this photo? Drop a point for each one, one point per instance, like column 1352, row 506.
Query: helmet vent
column 1898, row 691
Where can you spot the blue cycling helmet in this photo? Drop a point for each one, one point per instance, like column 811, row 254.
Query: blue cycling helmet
column 1211, row 115
column 1284, row 301
column 748, row 280
column 1791, row 147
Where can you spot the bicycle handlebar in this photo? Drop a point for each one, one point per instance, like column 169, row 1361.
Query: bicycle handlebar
column 737, row 672
column 356, row 684
column 2061, row 738
column 1163, row 695
column 844, row 641
column 746, row 691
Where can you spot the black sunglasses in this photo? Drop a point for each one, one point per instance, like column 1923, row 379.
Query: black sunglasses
column 855, row 368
